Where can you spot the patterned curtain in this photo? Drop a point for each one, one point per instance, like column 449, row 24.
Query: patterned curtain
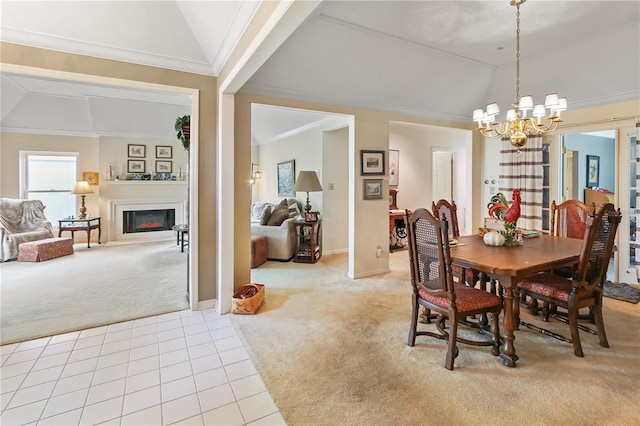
column 524, row 172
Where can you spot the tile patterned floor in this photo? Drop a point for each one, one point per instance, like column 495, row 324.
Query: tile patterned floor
column 186, row 367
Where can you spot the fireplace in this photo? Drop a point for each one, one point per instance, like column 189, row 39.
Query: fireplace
column 144, row 220
column 148, row 220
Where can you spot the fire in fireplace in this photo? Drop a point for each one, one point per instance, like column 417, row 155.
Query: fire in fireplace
column 148, row 220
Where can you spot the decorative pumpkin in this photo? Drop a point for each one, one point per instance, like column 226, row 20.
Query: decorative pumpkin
column 493, row 238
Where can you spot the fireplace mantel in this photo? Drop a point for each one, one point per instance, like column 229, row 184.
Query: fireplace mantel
column 118, row 206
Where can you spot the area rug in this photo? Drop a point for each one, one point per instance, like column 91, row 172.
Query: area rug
column 621, row 291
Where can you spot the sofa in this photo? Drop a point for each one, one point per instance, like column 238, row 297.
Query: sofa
column 276, row 223
column 21, row 221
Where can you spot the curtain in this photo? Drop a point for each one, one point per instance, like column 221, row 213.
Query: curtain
column 524, row 172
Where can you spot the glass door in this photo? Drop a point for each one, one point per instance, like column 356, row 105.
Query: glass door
column 626, row 261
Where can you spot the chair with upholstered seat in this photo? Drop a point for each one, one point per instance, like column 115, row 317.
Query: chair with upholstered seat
column 586, row 287
column 568, row 220
column 434, row 288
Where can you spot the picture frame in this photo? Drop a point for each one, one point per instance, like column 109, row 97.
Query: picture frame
column 593, row 171
column 394, row 167
column 286, row 173
column 372, row 163
column 372, row 189
column 164, row 151
column 92, row 177
column 136, row 166
column 164, row 166
column 311, row 216
column 136, row 151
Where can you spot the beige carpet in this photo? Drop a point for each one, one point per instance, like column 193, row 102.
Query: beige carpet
column 97, row 286
column 333, row 351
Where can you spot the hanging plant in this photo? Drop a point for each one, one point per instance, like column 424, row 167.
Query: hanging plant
column 183, row 127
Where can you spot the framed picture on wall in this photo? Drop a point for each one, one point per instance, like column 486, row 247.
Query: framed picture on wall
column 92, row 177
column 394, row 163
column 372, row 163
column 135, row 166
column 164, row 151
column 137, row 151
column 593, row 171
column 286, row 178
column 164, row 167
column 372, row 189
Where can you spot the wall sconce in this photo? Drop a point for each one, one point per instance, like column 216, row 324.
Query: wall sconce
column 256, row 173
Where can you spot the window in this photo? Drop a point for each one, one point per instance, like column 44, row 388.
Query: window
column 49, row 177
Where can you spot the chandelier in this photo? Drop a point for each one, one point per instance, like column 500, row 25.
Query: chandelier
column 519, row 124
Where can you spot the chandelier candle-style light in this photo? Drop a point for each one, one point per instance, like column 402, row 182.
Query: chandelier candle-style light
column 519, row 124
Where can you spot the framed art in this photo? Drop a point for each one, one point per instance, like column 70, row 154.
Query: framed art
column 163, row 151
column 137, row 151
column 372, row 163
column 163, row 166
column 286, row 178
column 311, row 216
column 372, row 189
column 394, row 162
column 135, row 166
column 593, row 171
column 92, row 177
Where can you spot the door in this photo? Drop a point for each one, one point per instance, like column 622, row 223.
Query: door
column 442, row 175
column 626, row 261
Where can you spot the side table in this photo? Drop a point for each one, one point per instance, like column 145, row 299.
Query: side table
column 308, row 247
column 76, row 224
column 181, row 231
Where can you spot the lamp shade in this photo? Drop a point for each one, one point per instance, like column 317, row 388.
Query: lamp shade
column 307, row 182
column 82, row 187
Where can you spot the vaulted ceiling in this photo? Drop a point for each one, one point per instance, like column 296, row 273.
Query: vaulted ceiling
column 434, row 59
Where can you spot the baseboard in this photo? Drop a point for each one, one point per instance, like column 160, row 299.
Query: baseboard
column 206, row 304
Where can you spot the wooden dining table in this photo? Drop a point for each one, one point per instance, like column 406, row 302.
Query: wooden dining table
column 509, row 265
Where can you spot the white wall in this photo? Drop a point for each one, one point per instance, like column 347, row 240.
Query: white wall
column 416, row 144
column 335, row 194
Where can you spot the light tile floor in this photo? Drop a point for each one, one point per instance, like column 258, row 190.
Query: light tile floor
column 186, row 367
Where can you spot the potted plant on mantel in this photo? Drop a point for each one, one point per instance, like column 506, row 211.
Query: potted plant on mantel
column 183, row 127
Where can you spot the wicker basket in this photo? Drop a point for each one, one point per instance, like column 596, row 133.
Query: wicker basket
column 247, row 299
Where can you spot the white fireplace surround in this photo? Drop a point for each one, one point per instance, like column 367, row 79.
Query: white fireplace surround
column 117, row 207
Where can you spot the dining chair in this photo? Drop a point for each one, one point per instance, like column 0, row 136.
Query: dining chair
column 585, row 288
column 434, row 289
column 568, row 220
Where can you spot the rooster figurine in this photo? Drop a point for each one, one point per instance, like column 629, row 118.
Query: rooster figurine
column 499, row 207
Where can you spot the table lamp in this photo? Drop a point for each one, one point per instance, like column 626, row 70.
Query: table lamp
column 82, row 187
column 307, row 182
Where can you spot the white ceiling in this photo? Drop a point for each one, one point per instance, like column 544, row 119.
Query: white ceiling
column 434, row 59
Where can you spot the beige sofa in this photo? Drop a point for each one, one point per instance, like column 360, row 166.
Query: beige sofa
column 21, row 221
column 281, row 239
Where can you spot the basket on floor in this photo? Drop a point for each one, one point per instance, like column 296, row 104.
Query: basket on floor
column 247, row 299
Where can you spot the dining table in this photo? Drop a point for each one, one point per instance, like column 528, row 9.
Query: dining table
column 509, row 265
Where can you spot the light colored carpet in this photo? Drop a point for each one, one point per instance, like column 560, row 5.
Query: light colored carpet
column 101, row 285
column 334, row 351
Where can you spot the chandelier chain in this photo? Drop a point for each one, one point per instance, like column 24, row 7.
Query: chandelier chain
column 518, row 53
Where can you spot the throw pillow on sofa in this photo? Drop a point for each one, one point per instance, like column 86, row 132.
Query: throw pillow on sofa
column 257, row 209
column 294, row 210
column 266, row 214
column 279, row 214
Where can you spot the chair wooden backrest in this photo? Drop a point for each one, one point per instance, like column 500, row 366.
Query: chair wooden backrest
column 569, row 219
column 429, row 254
column 450, row 212
column 597, row 247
